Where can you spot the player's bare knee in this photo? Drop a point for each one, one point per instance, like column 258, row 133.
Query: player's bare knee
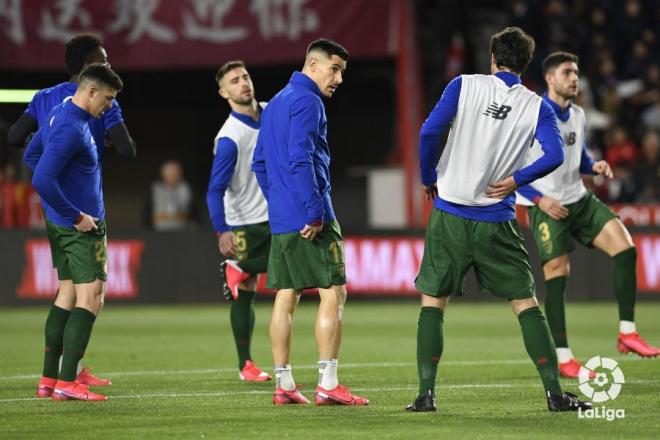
column 431, row 301
column 520, row 305
column 557, row 267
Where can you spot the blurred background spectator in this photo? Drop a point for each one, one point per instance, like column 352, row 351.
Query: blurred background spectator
column 171, row 199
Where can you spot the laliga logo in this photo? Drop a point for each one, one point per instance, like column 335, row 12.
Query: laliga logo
column 608, row 380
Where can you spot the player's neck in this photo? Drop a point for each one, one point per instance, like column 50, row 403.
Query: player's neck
column 558, row 99
column 251, row 110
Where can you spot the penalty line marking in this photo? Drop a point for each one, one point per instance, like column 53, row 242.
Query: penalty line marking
column 303, row 367
column 368, row 390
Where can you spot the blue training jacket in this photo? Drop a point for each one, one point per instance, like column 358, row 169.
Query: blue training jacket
column 65, row 161
column 292, row 158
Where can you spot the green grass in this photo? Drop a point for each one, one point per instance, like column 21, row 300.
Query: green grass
column 174, row 376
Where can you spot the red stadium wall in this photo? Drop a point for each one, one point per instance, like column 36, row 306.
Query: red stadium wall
column 181, row 267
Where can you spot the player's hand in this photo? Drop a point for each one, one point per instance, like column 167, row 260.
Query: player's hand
column 603, row 168
column 553, row 208
column 310, row 232
column 227, row 244
column 431, row 192
column 87, row 223
column 501, row 189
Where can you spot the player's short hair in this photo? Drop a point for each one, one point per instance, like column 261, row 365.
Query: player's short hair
column 226, row 68
column 101, row 73
column 556, row 58
column 329, row 47
column 513, row 48
column 76, row 51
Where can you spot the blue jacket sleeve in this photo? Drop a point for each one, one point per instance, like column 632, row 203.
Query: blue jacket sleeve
column 224, row 164
column 433, row 128
column 34, row 151
column 547, row 133
column 259, row 165
column 530, row 193
column 304, row 127
column 65, row 143
column 586, row 162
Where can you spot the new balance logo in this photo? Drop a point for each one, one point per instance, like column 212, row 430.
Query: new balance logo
column 497, row 111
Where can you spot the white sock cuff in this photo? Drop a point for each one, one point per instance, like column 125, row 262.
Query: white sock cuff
column 627, row 327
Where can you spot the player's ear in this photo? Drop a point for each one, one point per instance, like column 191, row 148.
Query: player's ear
column 223, row 93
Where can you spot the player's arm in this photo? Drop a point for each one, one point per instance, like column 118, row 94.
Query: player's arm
column 34, row 151
column 259, row 165
column 303, row 133
column 65, row 142
column 590, row 167
column 547, row 204
column 224, row 164
column 118, row 132
column 21, row 129
column 431, row 133
column 548, row 135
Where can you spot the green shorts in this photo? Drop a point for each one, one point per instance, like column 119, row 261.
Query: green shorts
column 554, row 238
column 253, row 243
column 297, row 263
column 454, row 244
column 78, row 256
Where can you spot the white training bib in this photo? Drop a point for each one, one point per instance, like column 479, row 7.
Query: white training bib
column 244, row 202
column 565, row 183
column 493, row 128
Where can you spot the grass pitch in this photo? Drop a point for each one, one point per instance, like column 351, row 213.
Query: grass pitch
column 174, row 376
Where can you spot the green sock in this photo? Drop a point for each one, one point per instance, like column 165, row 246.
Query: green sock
column 555, row 310
column 55, row 323
column 429, row 346
column 76, row 337
column 255, row 265
column 625, row 283
column 540, row 348
column 241, row 315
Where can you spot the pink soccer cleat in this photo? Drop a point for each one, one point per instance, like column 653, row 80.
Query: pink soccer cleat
column 232, row 276
column 284, row 397
column 45, row 387
column 75, row 391
column 86, row 377
column 340, row 395
column 633, row 343
column 572, row 369
column 252, row 373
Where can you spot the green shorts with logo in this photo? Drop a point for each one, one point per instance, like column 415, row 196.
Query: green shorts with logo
column 454, row 244
column 253, row 243
column 78, row 256
column 297, row 263
column 554, row 238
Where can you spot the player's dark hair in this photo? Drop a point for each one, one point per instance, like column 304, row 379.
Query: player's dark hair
column 226, row 68
column 76, row 51
column 556, row 58
column 102, row 73
column 329, row 47
column 512, row 48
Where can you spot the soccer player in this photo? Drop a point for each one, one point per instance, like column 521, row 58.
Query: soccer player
column 238, row 209
column 79, row 52
column 494, row 119
column 291, row 162
column 561, row 210
column 67, row 175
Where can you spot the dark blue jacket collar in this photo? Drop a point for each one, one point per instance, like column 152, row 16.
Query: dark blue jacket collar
column 247, row 120
column 510, row 79
column 562, row 115
column 301, row 79
column 72, row 108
